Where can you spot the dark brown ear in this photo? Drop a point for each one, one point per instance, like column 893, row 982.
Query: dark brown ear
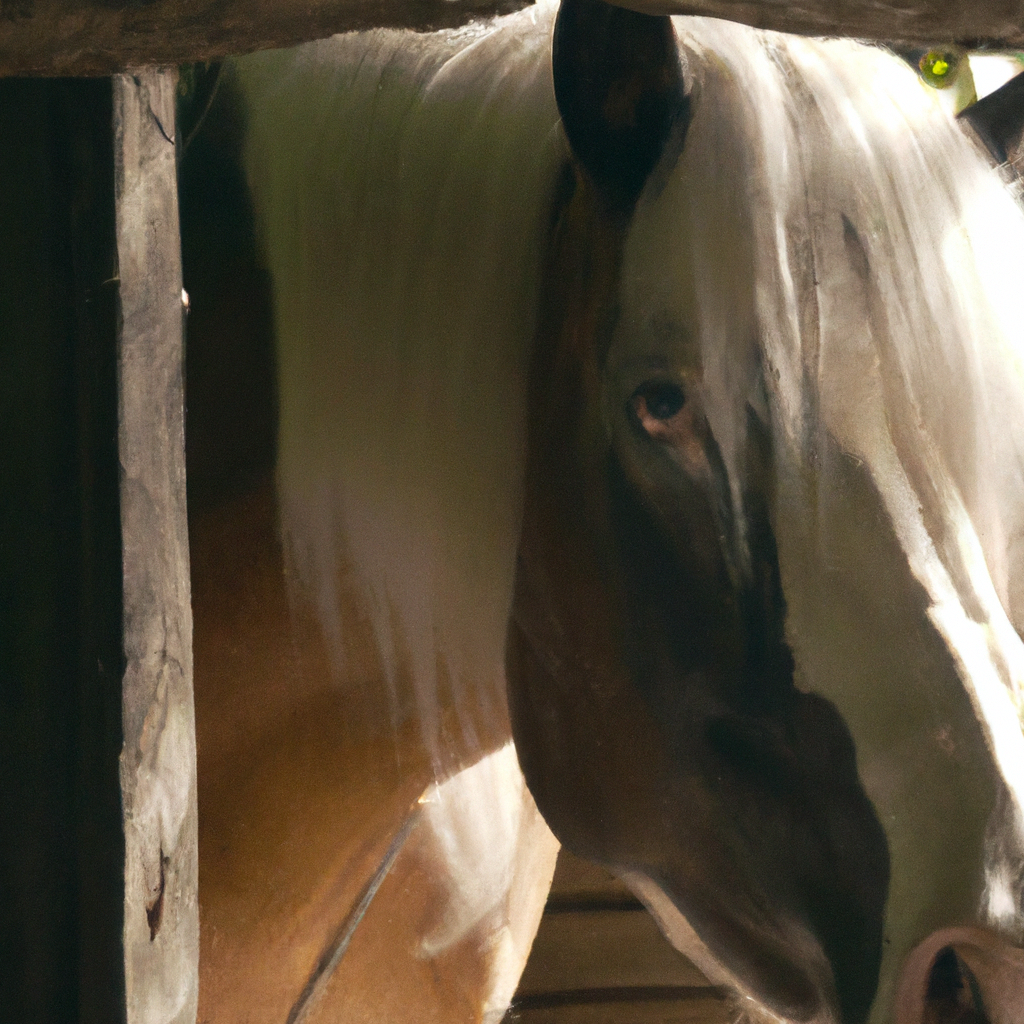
column 620, row 91
column 998, row 119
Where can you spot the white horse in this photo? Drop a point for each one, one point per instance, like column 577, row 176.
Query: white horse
column 764, row 658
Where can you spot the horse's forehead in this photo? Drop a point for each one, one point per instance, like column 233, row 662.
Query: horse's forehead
column 686, row 275
column 688, row 262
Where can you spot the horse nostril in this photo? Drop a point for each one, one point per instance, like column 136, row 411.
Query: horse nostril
column 953, row 993
column 658, row 399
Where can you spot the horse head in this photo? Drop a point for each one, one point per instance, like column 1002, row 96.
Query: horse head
column 762, row 659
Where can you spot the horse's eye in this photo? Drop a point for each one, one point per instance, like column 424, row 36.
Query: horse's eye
column 660, row 399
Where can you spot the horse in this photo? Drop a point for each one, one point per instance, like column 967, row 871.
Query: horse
column 649, row 394
column 723, row 424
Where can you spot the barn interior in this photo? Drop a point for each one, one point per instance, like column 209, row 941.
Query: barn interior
column 272, row 905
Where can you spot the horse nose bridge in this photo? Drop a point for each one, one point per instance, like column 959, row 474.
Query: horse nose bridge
column 738, row 449
column 728, row 505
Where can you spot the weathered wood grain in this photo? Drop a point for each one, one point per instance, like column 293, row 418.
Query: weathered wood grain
column 99, row 37
column 93, row 37
column 997, row 23
column 695, row 1010
column 158, row 762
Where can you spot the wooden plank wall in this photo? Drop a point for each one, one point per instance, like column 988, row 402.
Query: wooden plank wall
column 599, row 958
column 98, row 903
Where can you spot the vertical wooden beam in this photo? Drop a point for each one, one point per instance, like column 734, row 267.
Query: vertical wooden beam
column 98, row 911
column 158, row 774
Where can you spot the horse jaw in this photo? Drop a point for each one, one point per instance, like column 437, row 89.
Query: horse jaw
column 747, row 1005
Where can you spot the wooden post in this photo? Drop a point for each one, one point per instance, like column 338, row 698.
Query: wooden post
column 158, row 763
column 98, row 912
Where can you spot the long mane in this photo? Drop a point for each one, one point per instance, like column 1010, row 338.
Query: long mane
column 403, row 185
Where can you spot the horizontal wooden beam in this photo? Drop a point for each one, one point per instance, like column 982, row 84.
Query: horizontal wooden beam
column 100, row 37
column 976, row 24
column 103, row 37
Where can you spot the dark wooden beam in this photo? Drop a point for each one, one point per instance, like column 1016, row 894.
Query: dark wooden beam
column 998, row 24
column 100, row 37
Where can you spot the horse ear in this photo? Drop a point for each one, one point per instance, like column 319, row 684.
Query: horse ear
column 620, row 90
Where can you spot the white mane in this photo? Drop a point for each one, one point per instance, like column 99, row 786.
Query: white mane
column 403, row 186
